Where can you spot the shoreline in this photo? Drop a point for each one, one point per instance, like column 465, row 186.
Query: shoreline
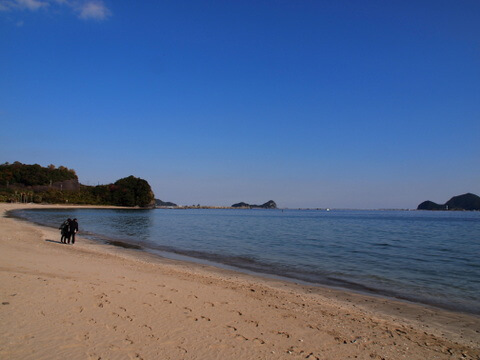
column 200, row 312
column 252, row 267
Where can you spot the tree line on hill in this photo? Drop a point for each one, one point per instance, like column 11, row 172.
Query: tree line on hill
column 34, row 183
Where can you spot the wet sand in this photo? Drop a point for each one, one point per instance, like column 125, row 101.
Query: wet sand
column 94, row 301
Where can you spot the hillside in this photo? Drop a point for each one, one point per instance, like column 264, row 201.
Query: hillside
column 34, row 183
column 268, row 205
column 18, row 174
column 160, row 203
column 467, row 201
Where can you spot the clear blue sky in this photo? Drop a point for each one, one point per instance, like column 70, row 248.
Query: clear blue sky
column 357, row 104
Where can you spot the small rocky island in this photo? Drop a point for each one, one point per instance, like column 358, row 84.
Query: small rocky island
column 160, row 203
column 268, row 205
column 461, row 202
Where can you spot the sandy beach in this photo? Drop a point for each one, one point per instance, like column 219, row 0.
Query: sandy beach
column 95, row 301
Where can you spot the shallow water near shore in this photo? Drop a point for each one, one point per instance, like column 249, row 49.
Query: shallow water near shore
column 426, row 257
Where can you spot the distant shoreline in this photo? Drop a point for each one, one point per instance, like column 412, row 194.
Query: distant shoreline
column 276, row 209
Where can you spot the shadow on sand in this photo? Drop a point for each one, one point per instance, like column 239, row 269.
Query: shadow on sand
column 54, row 241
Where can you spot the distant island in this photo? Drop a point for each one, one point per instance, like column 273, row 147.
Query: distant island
column 461, row 202
column 242, row 205
column 59, row 185
column 160, row 203
column 268, row 205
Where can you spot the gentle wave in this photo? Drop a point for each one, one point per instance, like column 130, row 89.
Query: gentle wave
column 429, row 257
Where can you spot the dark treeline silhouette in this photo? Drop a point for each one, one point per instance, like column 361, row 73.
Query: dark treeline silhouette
column 34, row 183
column 30, row 175
column 467, row 201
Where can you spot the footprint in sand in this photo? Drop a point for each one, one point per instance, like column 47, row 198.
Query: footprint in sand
column 294, row 349
column 102, row 304
column 241, row 337
column 182, row 349
column 233, row 328
column 258, row 341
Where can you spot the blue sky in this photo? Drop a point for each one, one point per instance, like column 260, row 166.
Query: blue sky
column 347, row 104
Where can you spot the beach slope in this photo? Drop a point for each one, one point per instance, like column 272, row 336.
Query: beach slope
column 94, row 301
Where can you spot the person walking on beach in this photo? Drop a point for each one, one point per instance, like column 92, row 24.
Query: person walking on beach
column 65, row 231
column 73, row 228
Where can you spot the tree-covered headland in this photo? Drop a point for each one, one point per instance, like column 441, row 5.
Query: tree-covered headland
column 34, row 183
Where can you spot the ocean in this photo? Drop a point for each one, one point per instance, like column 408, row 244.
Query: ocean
column 420, row 256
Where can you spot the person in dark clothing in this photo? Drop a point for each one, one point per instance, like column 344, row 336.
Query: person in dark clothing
column 73, row 228
column 65, row 231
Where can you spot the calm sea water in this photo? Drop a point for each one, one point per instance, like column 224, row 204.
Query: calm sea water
column 428, row 257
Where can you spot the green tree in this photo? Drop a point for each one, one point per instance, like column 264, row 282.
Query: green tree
column 132, row 191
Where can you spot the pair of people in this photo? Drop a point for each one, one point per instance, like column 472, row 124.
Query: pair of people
column 68, row 229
